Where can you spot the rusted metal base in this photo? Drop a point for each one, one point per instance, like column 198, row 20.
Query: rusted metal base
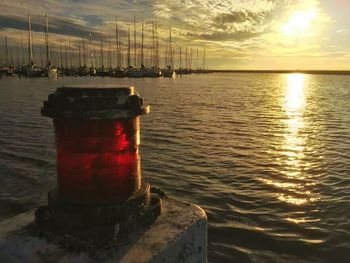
column 89, row 226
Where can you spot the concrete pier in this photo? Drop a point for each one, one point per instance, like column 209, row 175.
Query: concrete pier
column 179, row 234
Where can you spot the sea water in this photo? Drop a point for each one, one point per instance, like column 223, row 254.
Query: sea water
column 266, row 155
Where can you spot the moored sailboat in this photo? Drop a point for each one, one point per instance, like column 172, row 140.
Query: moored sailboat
column 169, row 71
column 32, row 70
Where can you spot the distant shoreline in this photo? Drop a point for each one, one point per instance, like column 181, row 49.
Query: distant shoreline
column 319, row 72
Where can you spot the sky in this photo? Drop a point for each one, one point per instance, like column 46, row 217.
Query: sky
column 236, row 34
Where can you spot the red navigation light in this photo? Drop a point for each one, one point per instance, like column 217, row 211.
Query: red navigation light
column 97, row 159
column 97, row 139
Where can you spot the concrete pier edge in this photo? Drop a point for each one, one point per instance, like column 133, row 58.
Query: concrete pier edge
column 179, row 234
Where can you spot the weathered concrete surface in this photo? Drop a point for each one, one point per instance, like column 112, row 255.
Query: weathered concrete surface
column 178, row 235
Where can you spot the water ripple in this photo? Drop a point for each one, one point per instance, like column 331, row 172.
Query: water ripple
column 267, row 156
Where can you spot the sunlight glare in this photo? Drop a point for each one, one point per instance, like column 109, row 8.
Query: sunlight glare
column 299, row 22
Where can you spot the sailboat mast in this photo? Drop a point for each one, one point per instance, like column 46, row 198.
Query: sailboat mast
column 65, row 57
column 79, row 55
column 84, row 51
column 11, row 57
column 42, row 64
column 180, row 57
column 129, row 46
column 48, row 62
column 121, row 55
column 17, row 56
column 157, row 48
column 30, row 43
column 102, row 62
column 91, row 54
column 204, row 58
column 139, row 54
column 1, row 56
column 60, row 54
column 171, row 50
column 6, row 52
column 71, row 55
column 142, row 44
column 134, row 41
column 117, row 41
column 96, row 59
column 191, row 57
column 110, row 52
column 22, row 53
column 153, row 46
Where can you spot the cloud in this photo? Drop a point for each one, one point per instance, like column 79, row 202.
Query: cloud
column 82, row 9
column 64, row 26
column 239, row 17
column 219, row 20
column 223, row 36
column 93, row 20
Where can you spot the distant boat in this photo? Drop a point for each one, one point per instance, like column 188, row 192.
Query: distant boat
column 146, row 73
column 34, row 71
column 119, row 73
column 103, row 72
column 92, row 71
column 169, row 72
column 52, row 73
column 154, row 73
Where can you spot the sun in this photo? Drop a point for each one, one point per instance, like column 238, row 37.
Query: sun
column 299, row 22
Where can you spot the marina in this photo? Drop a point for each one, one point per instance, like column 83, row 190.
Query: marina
column 101, row 55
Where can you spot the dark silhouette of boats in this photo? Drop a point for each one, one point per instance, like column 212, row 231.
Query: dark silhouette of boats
column 130, row 59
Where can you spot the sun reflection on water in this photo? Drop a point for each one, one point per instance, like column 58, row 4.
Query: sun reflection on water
column 293, row 183
column 295, row 101
column 293, row 144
